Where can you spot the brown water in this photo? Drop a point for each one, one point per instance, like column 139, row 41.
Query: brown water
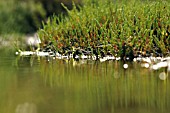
column 36, row 85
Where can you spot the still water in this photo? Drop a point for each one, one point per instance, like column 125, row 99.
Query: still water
column 43, row 85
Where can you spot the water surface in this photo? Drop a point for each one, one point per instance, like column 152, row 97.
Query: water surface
column 43, row 85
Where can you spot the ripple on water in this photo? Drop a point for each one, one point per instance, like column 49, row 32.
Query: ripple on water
column 163, row 76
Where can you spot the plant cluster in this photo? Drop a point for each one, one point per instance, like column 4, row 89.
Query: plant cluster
column 125, row 29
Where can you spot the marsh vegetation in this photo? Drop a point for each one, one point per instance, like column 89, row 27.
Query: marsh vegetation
column 119, row 28
column 62, row 76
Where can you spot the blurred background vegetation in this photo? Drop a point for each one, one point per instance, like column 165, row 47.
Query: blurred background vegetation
column 26, row 16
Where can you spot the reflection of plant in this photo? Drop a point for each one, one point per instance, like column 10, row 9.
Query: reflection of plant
column 107, row 28
column 106, row 83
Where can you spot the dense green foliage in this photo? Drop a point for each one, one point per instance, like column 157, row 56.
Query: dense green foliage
column 125, row 29
column 21, row 17
column 26, row 16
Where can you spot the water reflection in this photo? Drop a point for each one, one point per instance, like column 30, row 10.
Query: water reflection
column 26, row 108
column 107, row 87
column 163, row 75
column 44, row 85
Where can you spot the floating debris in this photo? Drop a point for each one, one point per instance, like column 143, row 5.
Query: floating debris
column 28, row 53
column 168, row 68
column 163, row 76
column 25, row 53
column 153, row 63
column 42, row 53
column 164, row 64
column 118, row 58
column 125, row 66
column 145, row 65
column 103, row 59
